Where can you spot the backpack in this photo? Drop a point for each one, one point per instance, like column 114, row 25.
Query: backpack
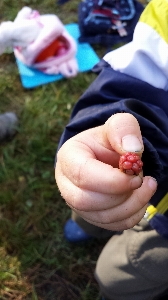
column 108, row 22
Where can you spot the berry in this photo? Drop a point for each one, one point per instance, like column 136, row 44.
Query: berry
column 130, row 164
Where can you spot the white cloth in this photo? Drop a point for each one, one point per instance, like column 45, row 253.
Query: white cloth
column 146, row 57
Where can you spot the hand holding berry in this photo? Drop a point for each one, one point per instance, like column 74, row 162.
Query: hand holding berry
column 90, row 181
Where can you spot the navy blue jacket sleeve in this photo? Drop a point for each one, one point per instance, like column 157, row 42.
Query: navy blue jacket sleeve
column 113, row 92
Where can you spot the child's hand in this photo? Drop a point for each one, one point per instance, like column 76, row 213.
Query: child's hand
column 90, row 181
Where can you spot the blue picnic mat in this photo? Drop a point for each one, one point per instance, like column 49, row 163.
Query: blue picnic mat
column 85, row 56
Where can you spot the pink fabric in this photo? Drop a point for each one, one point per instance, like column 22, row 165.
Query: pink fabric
column 31, row 35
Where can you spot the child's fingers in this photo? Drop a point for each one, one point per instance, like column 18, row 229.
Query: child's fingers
column 123, row 133
column 125, row 210
column 78, row 164
column 122, row 224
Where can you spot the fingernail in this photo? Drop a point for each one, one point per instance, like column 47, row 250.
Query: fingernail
column 131, row 143
column 152, row 183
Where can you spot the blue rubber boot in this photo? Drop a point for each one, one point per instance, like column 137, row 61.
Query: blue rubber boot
column 74, row 233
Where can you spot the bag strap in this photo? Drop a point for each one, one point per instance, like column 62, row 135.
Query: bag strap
column 110, row 9
column 126, row 11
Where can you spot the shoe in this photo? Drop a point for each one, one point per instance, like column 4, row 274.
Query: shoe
column 74, row 233
column 8, row 124
column 61, row 2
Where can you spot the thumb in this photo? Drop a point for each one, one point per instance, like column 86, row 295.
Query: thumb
column 124, row 134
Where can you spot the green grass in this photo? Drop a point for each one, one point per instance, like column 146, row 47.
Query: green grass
column 36, row 262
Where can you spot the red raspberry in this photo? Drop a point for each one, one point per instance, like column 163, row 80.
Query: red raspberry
column 130, row 164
